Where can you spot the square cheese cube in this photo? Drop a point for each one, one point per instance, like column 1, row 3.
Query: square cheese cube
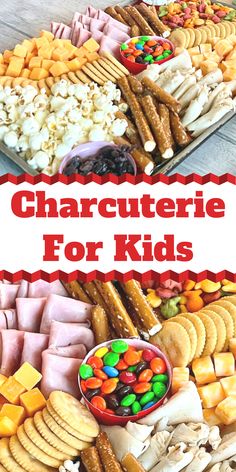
column 180, row 377
column 224, row 364
column 203, row 370
column 210, row 417
column 232, row 346
column 20, row 51
column 47, row 34
column 211, row 395
column 91, row 45
column 27, row 376
column 7, row 427
column 32, row 401
column 12, row 390
column 16, row 413
column 229, row 385
column 2, row 379
column 226, row 410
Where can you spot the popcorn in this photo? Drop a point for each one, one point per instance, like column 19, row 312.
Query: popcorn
column 10, row 139
column 30, row 126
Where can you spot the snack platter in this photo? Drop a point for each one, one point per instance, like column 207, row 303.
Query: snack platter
column 94, row 51
column 126, row 377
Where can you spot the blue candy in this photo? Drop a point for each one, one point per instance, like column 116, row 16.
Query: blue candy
column 139, row 46
column 110, row 371
column 148, row 405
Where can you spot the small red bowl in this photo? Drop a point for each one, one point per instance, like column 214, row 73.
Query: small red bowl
column 111, row 420
column 134, row 67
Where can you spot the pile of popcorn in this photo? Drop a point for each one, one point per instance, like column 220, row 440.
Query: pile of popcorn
column 44, row 129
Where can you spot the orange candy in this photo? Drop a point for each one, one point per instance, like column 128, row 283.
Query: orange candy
column 132, row 357
column 142, row 387
column 131, row 58
column 121, row 365
column 137, row 53
column 93, row 383
column 158, row 366
column 145, row 375
column 100, row 374
column 166, row 46
column 99, row 402
column 95, row 362
column 109, row 386
column 83, row 386
column 151, row 43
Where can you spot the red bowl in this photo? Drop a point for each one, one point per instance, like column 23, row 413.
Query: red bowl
column 111, row 420
column 134, row 67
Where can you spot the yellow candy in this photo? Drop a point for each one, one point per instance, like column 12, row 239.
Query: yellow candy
column 101, row 352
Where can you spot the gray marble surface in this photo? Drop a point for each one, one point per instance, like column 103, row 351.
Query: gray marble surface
column 22, row 18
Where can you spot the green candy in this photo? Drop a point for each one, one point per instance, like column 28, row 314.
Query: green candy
column 119, row 347
column 128, row 400
column 136, row 408
column 85, row 371
column 160, row 378
column 148, row 58
column 111, row 359
column 145, row 38
column 170, row 308
column 146, row 398
column 132, row 368
column 124, row 47
column 159, row 389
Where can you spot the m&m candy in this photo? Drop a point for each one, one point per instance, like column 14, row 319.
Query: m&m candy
column 149, row 49
column 122, row 380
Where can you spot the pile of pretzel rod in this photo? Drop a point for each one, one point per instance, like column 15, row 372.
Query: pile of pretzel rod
column 155, row 124
column 142, row 19
column 119, row 312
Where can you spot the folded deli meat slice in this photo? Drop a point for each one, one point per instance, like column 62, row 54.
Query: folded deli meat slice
column 34, row 345
column 11, row 319
column 8, row 294
column 11, row 346
column 59, row 373
column 40, row 288
column 3, row 320
column 67, row 334
column 29, row 313
column 64, row 309
column 23, row 289
column 76, row 351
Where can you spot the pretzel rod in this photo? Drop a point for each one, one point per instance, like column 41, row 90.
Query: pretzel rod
column 143, row 161
column 161, row 95
column 118, row 316
column 132, row 312
column 113, row 13
column 181, row 137
column 131, row 131
column 156, row 125
column 120, row 141
column 153, row 9
column 142, row 23
column 144, row 311
column 106, row 453
column 139, row 118
column 100, row 325
column 153, row 19
column 125, row 15
column 135, row 85
column 76, row 291
column 91, row 460
column 164, row 115
column 134, row 31
column 131, row 464
column 93, row 293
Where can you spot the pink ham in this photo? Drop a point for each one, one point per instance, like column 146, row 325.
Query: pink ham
column 77, row 351
column 8, row 294
column 3, row 320
column 54, row 27
column 23, row 289
column 91, row 11
column 11, row 319
column 110, row 45
column 41, row 289
column 29, row 313
column 64, row 309
column 34, row 345
column 83, row 35
column 60, row 373
column 96, row 25
column 66, row 34
column 115, row 33
column 97, row 35
column 67, row 334
column 11, row 346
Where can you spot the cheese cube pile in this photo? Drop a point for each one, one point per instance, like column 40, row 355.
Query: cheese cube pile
column 19, row 398
column 40, row 58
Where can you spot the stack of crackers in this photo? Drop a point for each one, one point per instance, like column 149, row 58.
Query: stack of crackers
column 192, row 335
column 58, row 433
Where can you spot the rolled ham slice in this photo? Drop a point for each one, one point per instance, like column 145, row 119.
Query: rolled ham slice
column 77, row 351
column 34, row 345
column 83, row 35
column 110, row 45
column 8, row 294
column 96, row 25
column 29, row 313
column 40, row 289
column 3, row 320
column 68, row 334
column 115, row 33
column 11, row 347
column 60, row 373
column 11, row 319
column 54, row 27
column 66, row 310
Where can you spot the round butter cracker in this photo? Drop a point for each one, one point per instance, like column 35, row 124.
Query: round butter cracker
column 24, row 459
column 229, row 325
column 220, row 328
column 191, row 331
column 65, row 426
column 174, row 341
column 211, row 334
column 34, row 451
column 200, row 330
column 52, row 439
column 7, row 461
column 230, row 307
column 38, row 440
column 62, row 434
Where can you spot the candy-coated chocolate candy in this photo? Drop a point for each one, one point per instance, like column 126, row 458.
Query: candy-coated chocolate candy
column 151, row 42
column 93, row 383
column 124, row 47
column 131, row 348
column 134, row 40
column 139, row 46
column 148, row 58
column 128, row 378
column 111, row 359
column 91, row 393
column 148, row 50
column 141, row 366
column 119, row 386
column 121, row 365
column 95, row 362
column 100, row 374
column 99, row 402
column 165, row 54
column 109, row 412
column 159, row 389
column 132, row 357
column 136, row 408
column 119, row 347
column 159, row 58
column 85, row 371
column 148, row 405
column 83, row 386
column 144, row 38
column 110, row 371
column 142, row 387
column 128, row 400
column 122, row 392
column 132, row 58
column 137, row 53
column 132, row 368
column 166, row 46
column 123, row 411
column 101, row 351
column 145, row 375
column 146, row 398
column 108, row 386
column 160, row 378
column 112, row 401
column 158, row 365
